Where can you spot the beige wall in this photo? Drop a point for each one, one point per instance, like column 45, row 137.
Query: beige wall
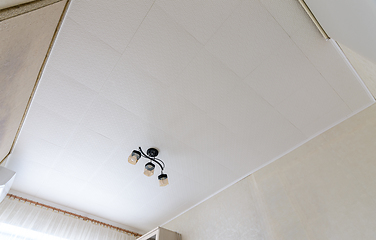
column 325, row 189
column 25, row 36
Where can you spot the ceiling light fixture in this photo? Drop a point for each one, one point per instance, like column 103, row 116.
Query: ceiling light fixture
column 151, row 154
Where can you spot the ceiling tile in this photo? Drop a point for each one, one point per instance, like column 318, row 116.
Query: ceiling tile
column 276, row 79
column 82, row 56
column 152, row 101
column 199, row 18
column 288, row 14
column 245, row 113
column 33, row 149
column 157, row 51
column 63, row 95
column 111, row 120
column 76, row 166
column 205, row 81
column 329, row 119
column 89, row 144
column 60, row 188
column 319, row 51
column 310, row 103
column 30, row 175
column 247, row 37
column 115, row 22
column 48, row 125
column 199, row 167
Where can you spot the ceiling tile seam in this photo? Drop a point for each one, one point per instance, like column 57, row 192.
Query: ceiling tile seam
column 301, row 88
column 126, row 47
column 229, row 15
column 100, row 40
column 353, row 71
column 202, row 46
column 316, row 68
column 180, row 26
column 156, row 126
column 263, row 5
column 130, row 40
column 324, row 114
column 44, row 164
column 64, row 172
column 211, row 55
column 296, row 127
column 76, row 125
column 92, row 35
column 65, row 81
column 270, row 105
column 331, row 86
column 129, row 111
column 48, row 110
column 328, row 82
column 244, row 80
column 99, row 168
column 256, row 66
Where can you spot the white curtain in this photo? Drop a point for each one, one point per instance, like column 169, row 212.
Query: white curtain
column 22, row 220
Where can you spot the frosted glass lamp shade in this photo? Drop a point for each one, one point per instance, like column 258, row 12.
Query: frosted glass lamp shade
column 149, row 169
column 134, row 157
column 163, row 180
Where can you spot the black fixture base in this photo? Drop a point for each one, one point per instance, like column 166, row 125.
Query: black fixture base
column 152, row 152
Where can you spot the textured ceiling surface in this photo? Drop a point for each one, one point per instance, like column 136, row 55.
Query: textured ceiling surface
column 221, row 88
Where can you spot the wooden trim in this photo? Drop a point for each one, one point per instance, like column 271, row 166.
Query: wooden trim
column 11, row 196
column 314, row 20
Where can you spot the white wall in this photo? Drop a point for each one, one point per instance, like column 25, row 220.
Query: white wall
column 325, row 189
column 350, row 22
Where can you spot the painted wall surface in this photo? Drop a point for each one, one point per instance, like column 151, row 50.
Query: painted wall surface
column 350, row 22
column 324, row 189
column 11, row 3
column 24, row 41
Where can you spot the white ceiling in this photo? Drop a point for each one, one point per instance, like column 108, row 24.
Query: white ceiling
column 221, row 88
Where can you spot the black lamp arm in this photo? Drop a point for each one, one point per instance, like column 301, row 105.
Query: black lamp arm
column 156, row 160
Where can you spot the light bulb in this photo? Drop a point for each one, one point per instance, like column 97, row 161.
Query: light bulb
column 163, row 180
column 134, row 157
column 149, row 169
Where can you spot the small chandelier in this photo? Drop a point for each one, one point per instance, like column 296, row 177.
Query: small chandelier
column 151, row 154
